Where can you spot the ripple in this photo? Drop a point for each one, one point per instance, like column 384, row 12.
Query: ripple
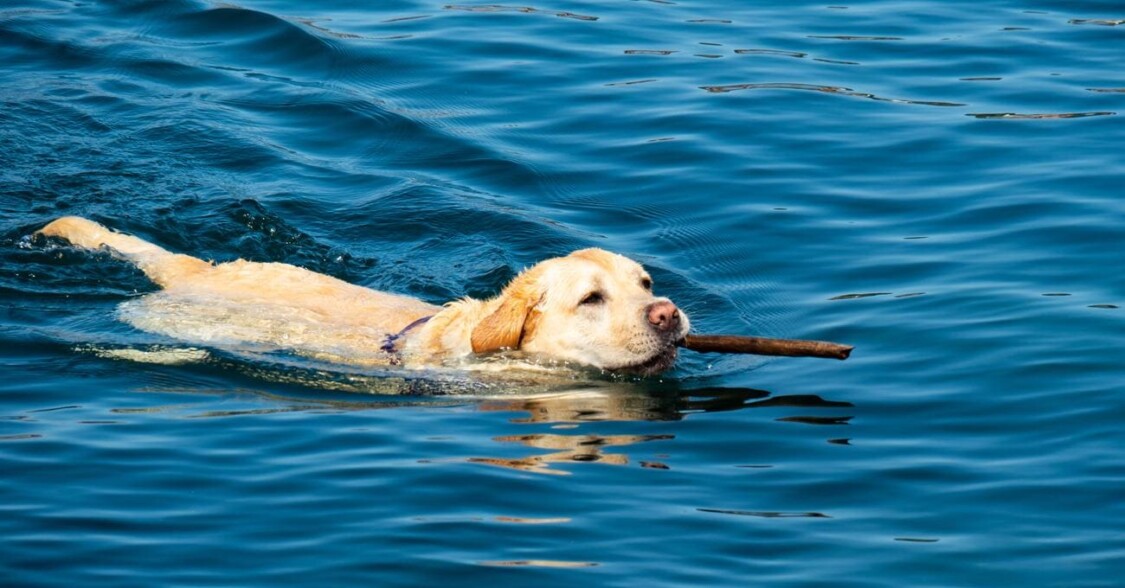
column 1096, row 21
column 313, row 24
column 838, row 90
column 835, row 61
column 632, row 82
column 859, row 295
column 793, row 54
column 520, row 9
column 21, row 437
column 539, row 563
column 766, row 514
column 532, row 521
column 855, row 38
column 256, row 36
column 780, row 52
column 1045, row 116
column 408, row 18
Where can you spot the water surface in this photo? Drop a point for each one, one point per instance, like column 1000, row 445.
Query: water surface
column 937, row 183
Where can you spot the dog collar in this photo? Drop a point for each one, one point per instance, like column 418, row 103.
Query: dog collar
column 389, row 343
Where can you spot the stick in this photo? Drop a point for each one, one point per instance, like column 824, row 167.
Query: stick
column 765, row 346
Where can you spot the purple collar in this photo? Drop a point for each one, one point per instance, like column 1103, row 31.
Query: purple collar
column 389, row 344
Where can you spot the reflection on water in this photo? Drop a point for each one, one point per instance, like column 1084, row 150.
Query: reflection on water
column 629, row 405
column 586, row 405
column 590, row 402
column 569, row 449
column 636, row 403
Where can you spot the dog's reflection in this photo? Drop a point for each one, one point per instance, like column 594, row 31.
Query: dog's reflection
column 564, row 407
column 569, row 449
column 586, row 406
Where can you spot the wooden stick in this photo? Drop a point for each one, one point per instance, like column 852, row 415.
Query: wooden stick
column 765, row 346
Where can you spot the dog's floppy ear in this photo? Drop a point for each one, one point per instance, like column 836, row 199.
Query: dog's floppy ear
column 513, row 320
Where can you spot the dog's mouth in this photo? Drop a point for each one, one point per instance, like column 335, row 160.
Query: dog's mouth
column 656, row 364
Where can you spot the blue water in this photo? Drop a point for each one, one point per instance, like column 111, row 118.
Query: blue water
column 936, row 182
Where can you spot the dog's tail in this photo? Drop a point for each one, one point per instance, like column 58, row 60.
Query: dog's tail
column 160, row 265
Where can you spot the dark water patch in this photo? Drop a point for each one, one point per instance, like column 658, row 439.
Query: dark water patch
column 632, row 82
column 765, row 514
column 52, row 409
column 21, row 437
column 254, row 37
column 1096, row 21
column 859, row 295
column 1107, row 90
column 649, row 52
column 816, row 420
column 55, row 271
column 799, row 400
column 778, row 52
column 835, row 61
column 394, row 37
column 408, row 18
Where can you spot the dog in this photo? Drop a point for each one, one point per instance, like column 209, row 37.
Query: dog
column 590, row 308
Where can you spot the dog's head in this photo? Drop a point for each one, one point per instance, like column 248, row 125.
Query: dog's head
column 591, row 307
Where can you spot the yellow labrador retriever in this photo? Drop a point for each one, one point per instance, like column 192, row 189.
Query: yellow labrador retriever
column 591, row 308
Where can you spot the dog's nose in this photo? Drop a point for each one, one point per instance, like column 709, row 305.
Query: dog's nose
column 663, row 315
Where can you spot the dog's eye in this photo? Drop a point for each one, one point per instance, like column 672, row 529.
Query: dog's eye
column 646, row 283
column 593, row 298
